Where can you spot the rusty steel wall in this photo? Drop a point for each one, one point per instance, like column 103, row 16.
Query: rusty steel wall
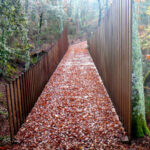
column 25, row 90
column 110, row 48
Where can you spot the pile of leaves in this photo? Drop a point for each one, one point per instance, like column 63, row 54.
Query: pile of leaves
column 74, row 111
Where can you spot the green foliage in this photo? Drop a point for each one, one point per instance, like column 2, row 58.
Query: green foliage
column 72, row 30
column 145, row 39
column 1, row 95
column 147, row 95
column 5, row 139
column 147, row 105
column 146, row 65
column 12, row 28
column 24, row 23
column 145, row 34
column 34, row 60
column 4, row 104
column 10, row 70
column 30, row 22
column 4, row 114
column 147, row 78
column 44, row 19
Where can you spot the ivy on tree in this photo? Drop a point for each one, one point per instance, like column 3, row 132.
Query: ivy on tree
column 138, row 101
column 13, row 36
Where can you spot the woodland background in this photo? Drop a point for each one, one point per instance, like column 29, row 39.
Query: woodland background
column 29, row 28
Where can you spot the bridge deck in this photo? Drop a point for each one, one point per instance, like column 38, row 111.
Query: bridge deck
column 74, row 111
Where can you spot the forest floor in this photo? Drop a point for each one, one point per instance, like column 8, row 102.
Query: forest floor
column 74, row 111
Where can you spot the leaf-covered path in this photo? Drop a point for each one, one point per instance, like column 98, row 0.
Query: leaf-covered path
column 74, row 111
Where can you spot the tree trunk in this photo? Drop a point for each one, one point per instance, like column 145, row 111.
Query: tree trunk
column 3, row 53
column 40, row 27
column 60, row 18
column 139, row 126
column 70, row 9
column 100, row 13
column 77, row 26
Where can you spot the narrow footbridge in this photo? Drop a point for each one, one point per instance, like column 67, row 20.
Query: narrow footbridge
column 72, row 109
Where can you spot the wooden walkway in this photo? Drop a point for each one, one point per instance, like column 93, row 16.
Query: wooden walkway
column 74, row 110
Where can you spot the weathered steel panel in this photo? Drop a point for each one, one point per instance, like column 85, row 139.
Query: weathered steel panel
column 111, row 50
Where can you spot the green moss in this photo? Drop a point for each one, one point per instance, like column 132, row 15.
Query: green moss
column 145, row 129
column 139, row 127
column 1, row 95
column 34, row 60
column 147, row 107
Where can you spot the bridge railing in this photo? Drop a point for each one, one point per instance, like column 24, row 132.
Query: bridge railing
column 110, row 48
column 23, row 92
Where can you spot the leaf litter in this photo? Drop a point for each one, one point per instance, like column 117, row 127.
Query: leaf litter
column 74, row 111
